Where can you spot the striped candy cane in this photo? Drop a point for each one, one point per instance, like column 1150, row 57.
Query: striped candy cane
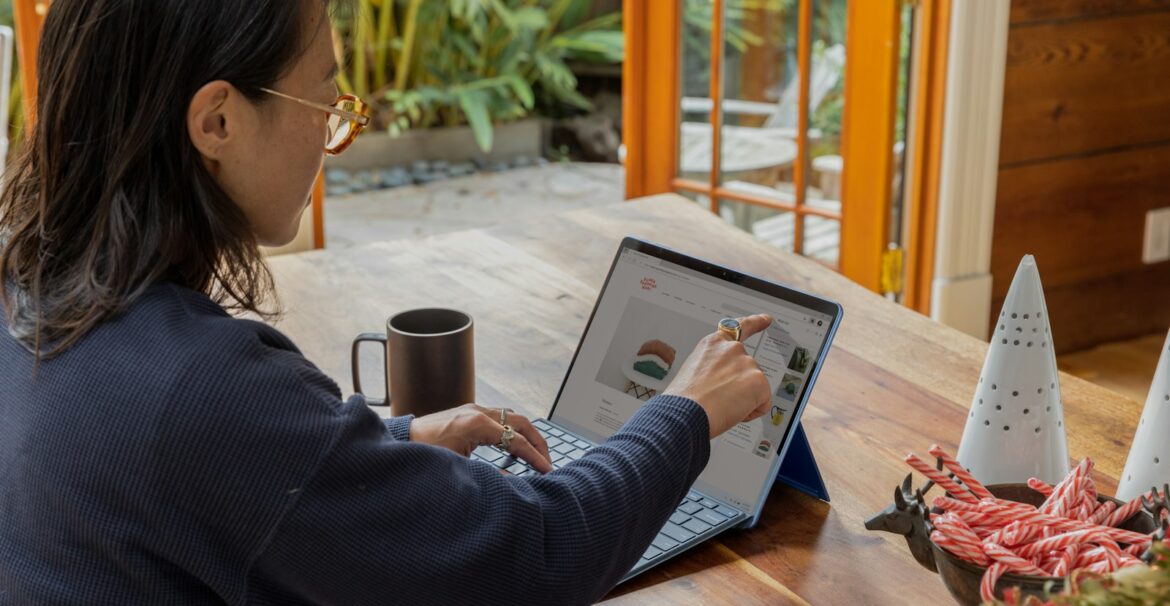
column 959, row 534
column 961, row 473
column 1011, row 560
column 990, row 578
column 940, row 478
column 1040, row 486
column 1103, row 511
column 960, row 550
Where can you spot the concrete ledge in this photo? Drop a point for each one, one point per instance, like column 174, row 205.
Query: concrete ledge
column 454, row 144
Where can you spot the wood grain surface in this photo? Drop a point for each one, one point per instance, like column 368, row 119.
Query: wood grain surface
column 1084, row 154
column 894, row 382
column 1082, row 86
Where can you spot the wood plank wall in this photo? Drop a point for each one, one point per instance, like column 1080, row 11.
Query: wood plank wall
column 1084, row 153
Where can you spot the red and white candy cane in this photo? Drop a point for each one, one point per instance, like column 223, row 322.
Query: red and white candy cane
column 965, row 539
column 1090, row 489
column 1103, row 512
column 1061, row 541
column 940, row 478
column 1007, row 514
column 1067, row 498
column 1066, row 560
column 1060, row 490
column 1016, row 533
column 990, row 578
column 959, row 549
column 1014, row 562
column 961, row 473
column 950, row 504
column 1127, row 511
column 1040, row 486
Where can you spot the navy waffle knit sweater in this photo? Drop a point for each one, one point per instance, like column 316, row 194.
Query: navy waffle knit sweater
column 177, row 455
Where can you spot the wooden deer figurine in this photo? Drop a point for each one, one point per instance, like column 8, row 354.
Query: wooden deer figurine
column 907, row 517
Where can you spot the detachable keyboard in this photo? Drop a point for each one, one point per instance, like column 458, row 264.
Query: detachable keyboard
column 696, row 519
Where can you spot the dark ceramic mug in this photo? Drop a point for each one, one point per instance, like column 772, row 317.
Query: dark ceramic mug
column 430, row 361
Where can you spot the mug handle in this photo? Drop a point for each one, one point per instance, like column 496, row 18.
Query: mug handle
column 353, row 359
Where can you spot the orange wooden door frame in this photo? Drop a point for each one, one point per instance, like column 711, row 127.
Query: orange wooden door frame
column 924, row 162
column 650, row 97
column 29, row 17
column 872, row 42
column 651, row 81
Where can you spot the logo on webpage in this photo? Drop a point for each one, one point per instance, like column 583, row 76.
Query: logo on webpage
column 649, row 284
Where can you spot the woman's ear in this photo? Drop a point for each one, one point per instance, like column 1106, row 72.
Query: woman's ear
column 208, row 121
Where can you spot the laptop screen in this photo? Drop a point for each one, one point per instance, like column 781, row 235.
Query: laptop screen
column 651, row 314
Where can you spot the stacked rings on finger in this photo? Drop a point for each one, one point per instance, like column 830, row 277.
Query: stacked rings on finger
column 730, row 327
column 506, row 438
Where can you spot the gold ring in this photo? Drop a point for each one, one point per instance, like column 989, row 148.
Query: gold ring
column 506, row 438
column 730, row 327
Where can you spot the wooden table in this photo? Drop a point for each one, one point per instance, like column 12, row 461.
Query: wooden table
column 895, row 382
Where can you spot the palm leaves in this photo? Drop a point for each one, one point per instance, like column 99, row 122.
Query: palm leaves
column 477, row 62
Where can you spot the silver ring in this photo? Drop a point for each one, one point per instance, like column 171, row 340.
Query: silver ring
column 506, row 438
column 503, row 416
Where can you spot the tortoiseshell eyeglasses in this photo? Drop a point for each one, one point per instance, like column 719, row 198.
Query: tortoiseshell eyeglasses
column 348, row 115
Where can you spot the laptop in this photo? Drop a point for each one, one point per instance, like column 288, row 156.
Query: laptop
column 655, row 306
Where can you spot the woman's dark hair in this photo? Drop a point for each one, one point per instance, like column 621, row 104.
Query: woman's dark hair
column 109, row 195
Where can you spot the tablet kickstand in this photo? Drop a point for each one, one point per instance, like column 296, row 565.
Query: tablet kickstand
column 799, row 467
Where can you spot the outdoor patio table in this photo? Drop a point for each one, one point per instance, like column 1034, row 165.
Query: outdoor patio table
column 894, row 382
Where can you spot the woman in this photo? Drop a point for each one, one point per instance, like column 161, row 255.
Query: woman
column 154, row 449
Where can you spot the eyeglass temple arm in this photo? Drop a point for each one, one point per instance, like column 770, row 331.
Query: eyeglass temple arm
column 360, row 119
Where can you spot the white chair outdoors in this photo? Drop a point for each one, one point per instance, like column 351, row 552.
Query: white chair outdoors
column 759, row 143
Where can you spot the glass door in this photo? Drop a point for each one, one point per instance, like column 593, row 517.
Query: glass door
column 787, row 118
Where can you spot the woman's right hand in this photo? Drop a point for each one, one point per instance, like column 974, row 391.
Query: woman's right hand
column 724, row 380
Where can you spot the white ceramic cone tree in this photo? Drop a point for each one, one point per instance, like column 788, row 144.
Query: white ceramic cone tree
column 1148, row 464
column 1015, row 429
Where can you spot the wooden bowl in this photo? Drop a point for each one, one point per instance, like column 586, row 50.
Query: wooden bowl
column 963, row 578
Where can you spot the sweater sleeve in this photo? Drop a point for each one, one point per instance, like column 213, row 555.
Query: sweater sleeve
column 399, row 427
column 387, row 520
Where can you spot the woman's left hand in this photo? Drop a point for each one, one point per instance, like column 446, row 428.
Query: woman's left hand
column 466, row 427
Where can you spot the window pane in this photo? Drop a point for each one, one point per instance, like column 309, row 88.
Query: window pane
column 761, row 97
column 822, row 239
column 771, row 226
column 694, row 150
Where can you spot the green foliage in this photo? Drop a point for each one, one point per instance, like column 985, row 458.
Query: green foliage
column 1136, row 586
column 475, row 62
column 15, row 94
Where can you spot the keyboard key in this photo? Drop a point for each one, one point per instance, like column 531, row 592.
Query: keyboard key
column 576, row 454
column 503, row 462
column 525, row 472
column 694, row 496
column 709, row 504
column 556, row 432
column 697, row 526
column 651, row 553
column 677, row 532
column 565, row 448
column 541, row 423
column 711, row 517
column 680, row 517
column 516, row 468
column 727, row 511
column 664, row 542
column 490, row 455
column 582, row 444
column 690, row 507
